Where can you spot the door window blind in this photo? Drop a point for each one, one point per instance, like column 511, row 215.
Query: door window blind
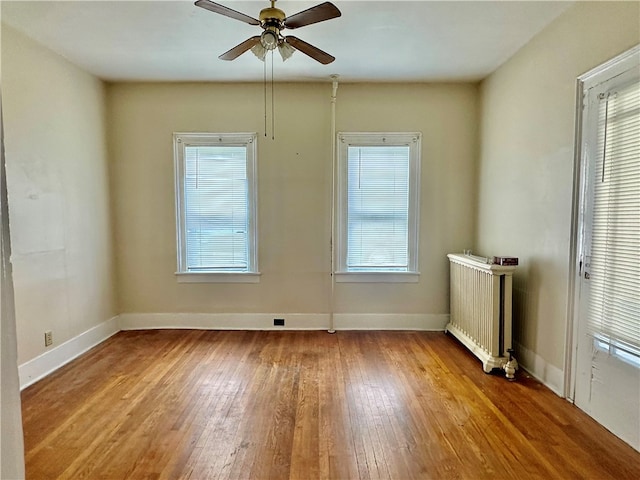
column 614, row 302
column 377, row 208
column 216, row 208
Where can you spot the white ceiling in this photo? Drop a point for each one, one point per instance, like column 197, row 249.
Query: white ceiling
column 372, row 40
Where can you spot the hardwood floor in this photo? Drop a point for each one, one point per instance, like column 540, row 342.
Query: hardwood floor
column 304, row 405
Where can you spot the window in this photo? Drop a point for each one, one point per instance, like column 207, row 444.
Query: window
column 216, row 206
column 377, row 207
column 613, row 258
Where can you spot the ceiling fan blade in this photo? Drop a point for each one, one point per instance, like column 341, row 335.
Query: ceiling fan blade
column 226, row 11
column 319, row 13
column 238, row 50
column 308, row 49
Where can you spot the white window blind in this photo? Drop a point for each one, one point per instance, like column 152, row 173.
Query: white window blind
column 216, row 208
column 378, row 208
column 614, row 305
column 216, row 203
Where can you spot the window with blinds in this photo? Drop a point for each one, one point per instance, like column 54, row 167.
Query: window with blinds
column 378, row 220
column 215, row 185
column 614, row 302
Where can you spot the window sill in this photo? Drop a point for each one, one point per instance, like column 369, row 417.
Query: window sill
column 216, row 277
column 377, row 277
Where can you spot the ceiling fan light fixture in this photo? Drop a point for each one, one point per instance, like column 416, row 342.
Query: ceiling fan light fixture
column 259, row 51
column 269, row 39
column 285, row 50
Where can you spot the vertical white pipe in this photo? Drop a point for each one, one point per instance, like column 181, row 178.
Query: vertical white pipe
column 334, row 97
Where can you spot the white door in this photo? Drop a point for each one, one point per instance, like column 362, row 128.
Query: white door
column 607, row 368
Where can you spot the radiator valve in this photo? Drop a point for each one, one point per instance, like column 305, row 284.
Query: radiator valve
column 511, row 366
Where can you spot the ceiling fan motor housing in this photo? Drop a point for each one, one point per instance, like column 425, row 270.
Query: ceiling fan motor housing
column 271, row 19
column 272, row 15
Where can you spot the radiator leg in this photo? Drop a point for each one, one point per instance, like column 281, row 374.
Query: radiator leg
column 511, row 366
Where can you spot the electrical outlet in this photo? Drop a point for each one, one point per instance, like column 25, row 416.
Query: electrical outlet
column 48, row 338
column 278, row 322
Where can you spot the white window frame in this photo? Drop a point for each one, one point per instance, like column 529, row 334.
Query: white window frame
column 614, row 68
column 249, row 141
column 345, row 140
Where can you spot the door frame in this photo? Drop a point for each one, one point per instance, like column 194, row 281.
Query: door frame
column 602, row 73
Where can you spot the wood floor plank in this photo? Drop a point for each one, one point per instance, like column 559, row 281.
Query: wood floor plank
column 180, row 404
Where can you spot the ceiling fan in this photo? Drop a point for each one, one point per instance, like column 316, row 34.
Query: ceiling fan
column 273, row 20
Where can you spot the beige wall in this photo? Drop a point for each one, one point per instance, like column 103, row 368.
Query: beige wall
column 526, row 164
column 55, row 139
column 294, row 177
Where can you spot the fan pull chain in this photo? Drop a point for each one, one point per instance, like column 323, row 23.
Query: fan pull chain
column 273, row 118
column 264, row 82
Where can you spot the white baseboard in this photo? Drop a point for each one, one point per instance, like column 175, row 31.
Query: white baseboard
column 293, row 321
column 223, row 321
column 44, row 364
column 552, row 377
column 391, row 321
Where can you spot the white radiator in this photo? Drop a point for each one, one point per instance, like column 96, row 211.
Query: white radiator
column 481, row 308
